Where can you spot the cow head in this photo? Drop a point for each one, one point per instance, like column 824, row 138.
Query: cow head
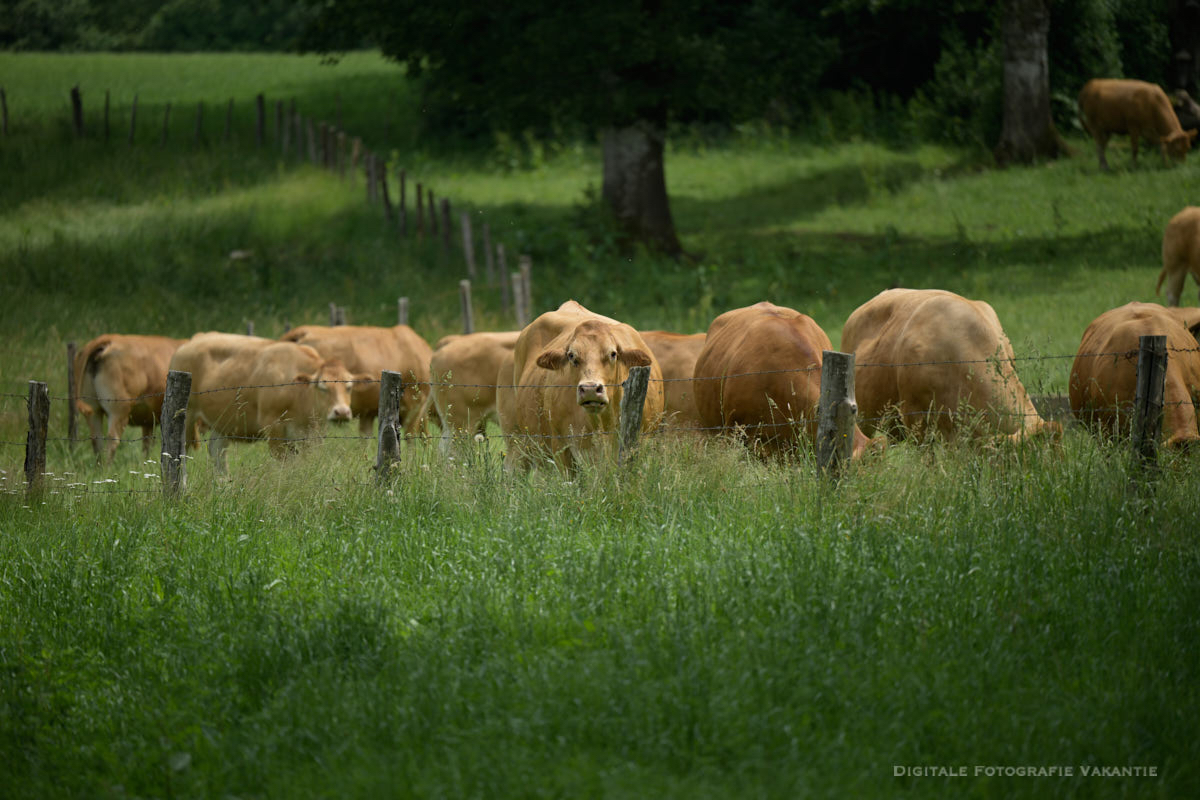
column 592, row 359
column 333, row 383
column 1177, row 144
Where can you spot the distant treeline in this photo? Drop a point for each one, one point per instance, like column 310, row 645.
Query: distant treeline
column 931, row 65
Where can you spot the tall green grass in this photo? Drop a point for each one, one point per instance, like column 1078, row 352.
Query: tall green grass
column 699, row 624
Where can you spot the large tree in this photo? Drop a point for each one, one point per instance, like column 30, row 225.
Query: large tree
column 622, row 70
column 1028, row 133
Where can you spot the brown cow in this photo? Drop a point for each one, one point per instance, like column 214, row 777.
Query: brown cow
column 371, row 350
column 568, row 367
column 1137, row 108
column 123, row 378
column 1180, row 253
column 247, row 388
column 1103, row 382
column 931, row 356
column 676, row 354
column 464, row 369
column 760, row 372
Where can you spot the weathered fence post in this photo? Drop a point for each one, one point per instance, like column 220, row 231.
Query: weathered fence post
column 72, row 397
column 285, row 135
column 228, row 120
column 402, row 311
column 468, row 244
column 369, row 172
column 333, row 315
column 391, row 387
column 489, row 261
column 633, row 402
column 35, row 441
column 133, row 119
column 433, row 223
column 464, row 296
column 199, row 121
column 383, row 189
column 166, row 124
column 446, row 225
column 312, row 140
column 403, row 205
column 4, row 111
column 1148, row 404
column 340, row 141
column 260, row 107
column 505, row 286
column 249, row 327
column 518, row 294
column 106, row 105
column 173, row 424
column 77, row 111
column 279, row 136
column 837, row 412
column 526, row 266
column 420, row 213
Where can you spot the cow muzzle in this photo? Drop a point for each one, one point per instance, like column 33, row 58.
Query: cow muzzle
column 592, row 397
column 339, row 413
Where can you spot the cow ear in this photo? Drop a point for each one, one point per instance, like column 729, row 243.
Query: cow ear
column 1191, row 134
column 634, row 358
column 552, row 359
column 302, row 378
column 363, row 377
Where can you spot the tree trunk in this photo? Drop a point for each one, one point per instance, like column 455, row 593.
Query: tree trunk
column 1028, row 133
column 635, row 185
column 1183, row 20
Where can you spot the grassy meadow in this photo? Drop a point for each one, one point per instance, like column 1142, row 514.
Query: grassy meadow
column 698, row 624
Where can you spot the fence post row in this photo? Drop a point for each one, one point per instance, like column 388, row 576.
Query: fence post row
column 35, row 441
column 464, row 295
column 1148, row 404
column 837, row 412
column 72, row 398
column 633, row 403
column 173, row 424
column 391, row 388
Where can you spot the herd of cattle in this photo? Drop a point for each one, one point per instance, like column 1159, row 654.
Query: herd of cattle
column 927, row 361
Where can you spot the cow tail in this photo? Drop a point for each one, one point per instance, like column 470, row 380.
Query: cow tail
column 89, row 362
column 1161, row 277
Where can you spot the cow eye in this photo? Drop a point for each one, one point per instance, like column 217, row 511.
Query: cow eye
column 613, row 355
column 574, row 359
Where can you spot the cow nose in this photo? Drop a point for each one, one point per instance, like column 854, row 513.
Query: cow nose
column 591, row 395
column 339, row 413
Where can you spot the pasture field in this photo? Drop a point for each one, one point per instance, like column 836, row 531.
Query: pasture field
column 697, row 624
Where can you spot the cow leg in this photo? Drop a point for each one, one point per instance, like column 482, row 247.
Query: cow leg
column 365, row 425
column 96, row 428
column 1175, row 283
column 147, row 440
column 1101, row 146
column 118, row 418
column 216, row 454
column 1133, row 139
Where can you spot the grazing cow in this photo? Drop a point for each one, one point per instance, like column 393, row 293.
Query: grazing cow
column 568, row 367
column 464, row 369
column 247, row 388
column 1137, row 108
column 760, row 372
column 1103, row 383
column 1180, row 253
column 937, row 360
column 122, row 378
column 371, row 350
column 676, row 354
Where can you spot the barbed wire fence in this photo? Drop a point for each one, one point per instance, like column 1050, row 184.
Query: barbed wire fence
column 836, row 417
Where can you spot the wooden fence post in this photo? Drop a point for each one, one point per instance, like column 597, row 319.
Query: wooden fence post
column 4, row 110
column 468, row 243
column 391, row 388
column 519, row 301
column 505, row 285
column 340, row 154
column 1148, row 404
column 312, row 140
column 260, row 107
column 166, row 124
column 633, row 403
column 279, row 137
column 333, row 314
column 199, row 121
column 77, row 111
column 489, row 261
column 526, row 266
column 35, row 441
column 173, row 425
column 420, row 213
column 446, row 225
column 402, row 311
column 106, row 104
column 837, row 412
column 464, row 296
column 285, row 135
column 403, row 206
column 383, row 188
column 249, row 327
column 228, row 120
column 133, row 119
column 433, row 223
column 72, row 398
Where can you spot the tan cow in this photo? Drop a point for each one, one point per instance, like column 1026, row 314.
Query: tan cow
column 123, row 378
column 247, row 388
column 1137, row 108
column 464, row 369
column 676, row 354
column 932, row 360
column 760, row 373
column 371, row 350
column 568, row 367
column 1103, row 383
column 1180, row 253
